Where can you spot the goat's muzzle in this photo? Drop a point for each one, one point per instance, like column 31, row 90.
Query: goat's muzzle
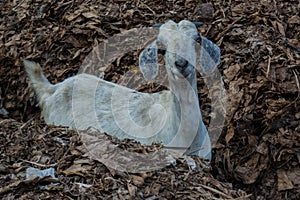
column 181, row 63
column 182, row 66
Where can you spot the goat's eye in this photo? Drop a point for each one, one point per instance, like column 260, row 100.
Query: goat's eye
column 161, row 48
column 162, row 51
column 198, row 39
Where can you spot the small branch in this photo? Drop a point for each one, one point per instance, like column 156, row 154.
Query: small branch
column 216, row 191
column 17, row 6
column 153, row 12
column 297, row 80
column 269, row 65
column 38, row 164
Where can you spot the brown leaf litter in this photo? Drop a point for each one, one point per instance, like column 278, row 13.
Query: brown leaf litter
column 258, row 151
column 41, row 146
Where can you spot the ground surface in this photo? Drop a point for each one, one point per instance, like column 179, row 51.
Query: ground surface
column 258, row 152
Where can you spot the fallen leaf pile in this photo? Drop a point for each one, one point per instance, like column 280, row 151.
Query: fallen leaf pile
column 34, row 144
column 259, row 147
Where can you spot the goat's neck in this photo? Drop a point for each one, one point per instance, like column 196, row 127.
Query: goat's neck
column 187, row 111
column 186, row 92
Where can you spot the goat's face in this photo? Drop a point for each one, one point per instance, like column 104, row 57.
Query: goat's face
column 178, row 44
column 183, row 48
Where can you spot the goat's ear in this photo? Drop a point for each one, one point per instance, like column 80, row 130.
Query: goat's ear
column 148, row 61
column 209, row 55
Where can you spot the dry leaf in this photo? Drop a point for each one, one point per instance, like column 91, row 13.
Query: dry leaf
column 137, row 180
column 294, row 20
column 71, row 17
column 75, row 169
column 229, row 135
column 281, row 28
column 284, row 183
column 131, row 189
column 232, row 71
column 90, row 15
column 247, row 175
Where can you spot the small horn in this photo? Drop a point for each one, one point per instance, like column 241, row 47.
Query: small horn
column 157, row 25
column 198, row 24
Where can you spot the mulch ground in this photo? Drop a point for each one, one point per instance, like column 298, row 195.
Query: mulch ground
column 258, row 153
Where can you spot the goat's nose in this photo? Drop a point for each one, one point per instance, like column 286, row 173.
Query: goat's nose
column 181, row 63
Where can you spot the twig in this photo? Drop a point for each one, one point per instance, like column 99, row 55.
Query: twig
column 7, row 121
column 154, row 13
column 40, row 165
column 216, row 191
column 269, row 65
column 17, row 6
column 297, row 80
column 26, row 124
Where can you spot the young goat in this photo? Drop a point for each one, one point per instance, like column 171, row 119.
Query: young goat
column 171, row 117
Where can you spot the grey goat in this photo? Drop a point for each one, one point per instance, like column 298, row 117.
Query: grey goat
column 172, row 117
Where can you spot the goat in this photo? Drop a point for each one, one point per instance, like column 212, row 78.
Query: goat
column 172, row 117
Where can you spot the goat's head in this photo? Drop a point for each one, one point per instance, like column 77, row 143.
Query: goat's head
column 183, row 49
